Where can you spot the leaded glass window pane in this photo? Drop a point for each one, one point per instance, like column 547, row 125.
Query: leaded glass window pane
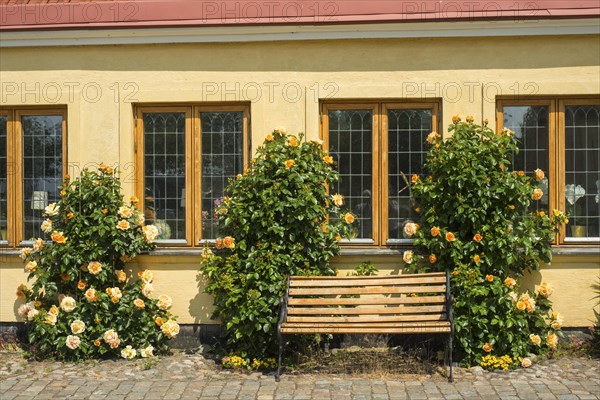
column 222, row 159
column 407, row 130
column 3, row 179
column 530, row 124
column 582, row 172
column 351, row 146
column 42, row 168
column 164, row 173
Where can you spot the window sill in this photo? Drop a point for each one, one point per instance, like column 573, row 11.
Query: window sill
column 344, row 252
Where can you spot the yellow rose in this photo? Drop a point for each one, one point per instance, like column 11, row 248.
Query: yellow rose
column 328, row 159
column 164, row 302
column 537, row 194
column 526, row 363
column 408, row 256
column 545, row 289
column 46, row 226
column 510, row 282
column 146, row 276
column 455, row 119
column 123, row 225
column 170, row 329
column 125, row 212
column 68, row 304
column 150, row 233
column 289, row 164
column 77, row 326
column 90, row 295
column 551, row 340
column 121, row 276
column 133, row 199
column 521, row 305
column 349, row 218
column 53, row 310
column 269, row 137
column 31, row 266
column 94, row 267
column 536, row 340
column 435, row 231
column 293, row 141
column 337, row 199
column 410, row 229
column 73, row 342
column 38, row 245
column 50, row 319
column 139, row 304
column 128, row 353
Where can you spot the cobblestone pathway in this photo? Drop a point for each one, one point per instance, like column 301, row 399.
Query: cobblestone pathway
column 190, row 376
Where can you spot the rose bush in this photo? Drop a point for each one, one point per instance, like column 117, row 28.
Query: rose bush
column 478, row 222
column 277, row 219
column 81, row 303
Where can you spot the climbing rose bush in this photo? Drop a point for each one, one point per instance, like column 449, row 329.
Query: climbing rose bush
column 478, row 221
column 277, row 219
column 82, row 303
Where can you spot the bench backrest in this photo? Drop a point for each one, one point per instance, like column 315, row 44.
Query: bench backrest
column 368, row 299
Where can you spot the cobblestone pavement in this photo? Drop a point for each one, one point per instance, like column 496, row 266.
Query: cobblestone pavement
column 191, row 376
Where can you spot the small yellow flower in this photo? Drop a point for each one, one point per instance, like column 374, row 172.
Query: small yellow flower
column 289, row 164
column 328, row 159
column 349, row 218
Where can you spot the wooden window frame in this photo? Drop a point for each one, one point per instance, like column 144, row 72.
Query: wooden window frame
column 556, row 149
column 193, row 168
column 380, row 179
column 14, row 144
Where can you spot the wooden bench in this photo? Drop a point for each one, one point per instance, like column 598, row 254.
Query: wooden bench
column 394, row 304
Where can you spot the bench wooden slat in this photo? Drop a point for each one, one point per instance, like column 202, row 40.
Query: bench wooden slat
column 365, row 319
column 337, row 282
column 403, row 276
column 365, row 310
column 379, row 300
column 406, row 324
column 367, row 290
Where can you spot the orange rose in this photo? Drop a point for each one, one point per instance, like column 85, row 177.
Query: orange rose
column 510, row 282
column 455, row 119
column 477, row 237
column 81, row 285
column 57, row 237
column 489, row 278
column 432, row 258
column 539, row 174
column 65, row 277
column 328, row 159
column 70, row 215
column 487, row 347
column 414, row 178
column 521, row 173
column 435, row 231
column 450, row 237
column 537, row 194
column 476, row 258
column 96, row 343
column 104, row 211
column 293, row 141
column 349, row 218
column 229, row 242
column 133, row 199
column 269, row 138
column 159, row 321
column 219, row 243
column 470, row 119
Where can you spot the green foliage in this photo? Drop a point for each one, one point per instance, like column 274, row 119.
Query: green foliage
column 278, row 220
column 81, row 304
column 595, row 330
column 366, row 268
column 478, row 221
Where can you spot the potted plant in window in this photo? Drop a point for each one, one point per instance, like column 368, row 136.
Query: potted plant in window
column 573, row 193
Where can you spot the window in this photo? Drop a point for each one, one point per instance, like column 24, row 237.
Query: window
column 561, row 137
column 185, row 157
column 32, row 165
column 377, row 148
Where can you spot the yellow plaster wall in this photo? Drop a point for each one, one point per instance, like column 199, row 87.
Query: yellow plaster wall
column 284, row 82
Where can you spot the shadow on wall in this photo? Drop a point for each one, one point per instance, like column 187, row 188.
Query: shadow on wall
column 414, row 54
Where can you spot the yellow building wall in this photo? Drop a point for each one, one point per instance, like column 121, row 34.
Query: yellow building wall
column 284, row 82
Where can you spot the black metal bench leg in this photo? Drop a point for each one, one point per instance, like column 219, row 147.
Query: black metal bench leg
column 450, row 378
column 281, row 344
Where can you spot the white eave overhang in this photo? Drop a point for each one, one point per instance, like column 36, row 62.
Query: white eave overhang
column 220, row 34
